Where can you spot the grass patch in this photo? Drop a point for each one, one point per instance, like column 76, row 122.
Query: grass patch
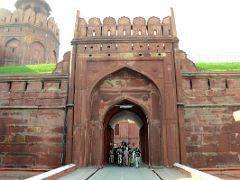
column 231, row 66
column 28, row 69
column 48, row 68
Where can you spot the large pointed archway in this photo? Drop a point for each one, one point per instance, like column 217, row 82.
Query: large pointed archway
column 131, row 111
column 126, row 87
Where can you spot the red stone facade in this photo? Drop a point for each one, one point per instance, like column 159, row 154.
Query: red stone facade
column 32, row 111
column 28, row 35
column 121, row 69
column 122, row 63
column 212, row 135
column 128, row 132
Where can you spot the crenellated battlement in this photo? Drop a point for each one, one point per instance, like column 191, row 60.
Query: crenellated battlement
column 125, row 39
column 211, row 81
column 124, row 27
column 29, row 16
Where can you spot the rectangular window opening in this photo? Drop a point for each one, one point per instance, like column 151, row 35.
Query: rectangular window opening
column 94, row 33
column 209, row 85
column 26, row 85
column 117, row 129
column 191, row 85
column 10, row 86
column 226, row 83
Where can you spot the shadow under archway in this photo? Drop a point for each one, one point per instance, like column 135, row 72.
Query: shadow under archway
column 123, row 110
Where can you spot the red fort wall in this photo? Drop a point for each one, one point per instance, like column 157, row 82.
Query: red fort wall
column 212, row 134
column 32, row 111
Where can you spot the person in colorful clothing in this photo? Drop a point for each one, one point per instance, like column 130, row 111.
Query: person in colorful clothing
column 126, row 156
column 111, row 156
column 130, row 157
column 120, row 156
column 137, row 158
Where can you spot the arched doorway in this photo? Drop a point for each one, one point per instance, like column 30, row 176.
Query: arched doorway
column 13, row 52
column 122, row 111
column 37, row 53
column 125, row 87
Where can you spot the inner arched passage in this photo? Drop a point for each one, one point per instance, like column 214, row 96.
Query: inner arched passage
column 122, row 111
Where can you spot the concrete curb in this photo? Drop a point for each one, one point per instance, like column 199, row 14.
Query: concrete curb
column 55, row 173
column 196, row 174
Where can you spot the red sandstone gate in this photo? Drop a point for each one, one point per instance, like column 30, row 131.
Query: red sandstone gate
column 123, row 64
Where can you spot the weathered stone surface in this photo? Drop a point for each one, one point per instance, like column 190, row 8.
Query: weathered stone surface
column 30, row 135
column 28, row 36
column 212, row 135
column 122, row 63
column 186, row 115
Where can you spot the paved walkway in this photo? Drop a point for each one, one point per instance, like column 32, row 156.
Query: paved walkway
column 80, row 174
column 125, row 173
column 171, row 174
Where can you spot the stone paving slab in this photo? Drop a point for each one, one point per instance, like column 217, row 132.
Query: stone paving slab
column 80, row 174
column 171, row 174
column 124, row 173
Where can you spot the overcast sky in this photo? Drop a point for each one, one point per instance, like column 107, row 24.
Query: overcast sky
column 209, row 30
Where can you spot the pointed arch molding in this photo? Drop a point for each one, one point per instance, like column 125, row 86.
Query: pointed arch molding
column 125, row 67
column 12, row 49
column 124, row 85
column 121, row 99
column 131, row 83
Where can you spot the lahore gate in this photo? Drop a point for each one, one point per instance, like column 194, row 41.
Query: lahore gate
column 120, row 64
column 121, row 69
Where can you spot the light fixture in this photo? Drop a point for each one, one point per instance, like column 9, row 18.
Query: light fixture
column 125, row 106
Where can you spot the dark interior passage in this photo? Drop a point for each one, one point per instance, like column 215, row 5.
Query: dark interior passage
column 132, row 113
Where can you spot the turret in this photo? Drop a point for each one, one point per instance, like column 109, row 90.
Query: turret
column 28, row 35
column 39, row 6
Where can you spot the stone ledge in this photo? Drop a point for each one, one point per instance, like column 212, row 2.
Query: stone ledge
column 55, row 173
column 127, row 39
column 196, row 174
column 217, row 75
column 210, row 105
column 32, row 107
column 31, row 77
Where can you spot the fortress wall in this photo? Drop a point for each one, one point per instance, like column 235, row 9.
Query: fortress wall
column 212, row 134
column 32, row 112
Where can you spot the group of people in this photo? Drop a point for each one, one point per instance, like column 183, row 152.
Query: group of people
column 124, row 155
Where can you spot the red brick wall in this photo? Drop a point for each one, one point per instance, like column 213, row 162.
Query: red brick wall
column 32, row 112
column 212, row 135
column 127, row 131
